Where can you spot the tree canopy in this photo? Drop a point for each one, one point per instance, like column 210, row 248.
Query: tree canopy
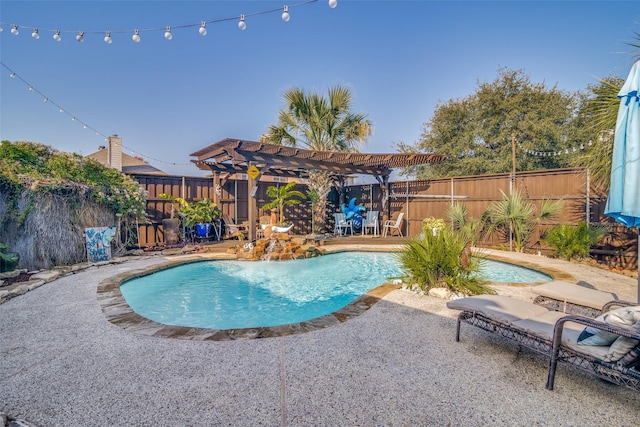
column 476, row 132
column 319, row 123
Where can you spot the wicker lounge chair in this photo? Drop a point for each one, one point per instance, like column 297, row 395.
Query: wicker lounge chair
column 555, row 334
column 575, row 299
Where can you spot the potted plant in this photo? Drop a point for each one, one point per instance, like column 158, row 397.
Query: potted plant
column 281, row 196
column 8, row 260
column 199, row 214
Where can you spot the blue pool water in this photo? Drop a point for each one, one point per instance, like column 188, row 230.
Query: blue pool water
column 242, row 294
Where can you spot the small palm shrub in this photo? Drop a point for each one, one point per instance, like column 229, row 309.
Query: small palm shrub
column 470, row 227
column 429, row 261
column 573, row 242
column 514, row 212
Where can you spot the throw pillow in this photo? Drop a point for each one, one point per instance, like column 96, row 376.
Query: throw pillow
column 623, row 345
column 624, row 317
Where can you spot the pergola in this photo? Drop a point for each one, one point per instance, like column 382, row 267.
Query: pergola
column 233, row 156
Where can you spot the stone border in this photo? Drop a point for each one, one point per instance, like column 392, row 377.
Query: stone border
column 118, row 312
column 45, row 276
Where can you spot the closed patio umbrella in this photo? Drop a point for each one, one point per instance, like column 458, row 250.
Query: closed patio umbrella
column 623, row 203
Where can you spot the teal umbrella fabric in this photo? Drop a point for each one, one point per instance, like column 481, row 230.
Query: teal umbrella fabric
column 623, row 203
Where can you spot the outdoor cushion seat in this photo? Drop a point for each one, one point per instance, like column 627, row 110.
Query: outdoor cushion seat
column 555, row 335
column 572, row 298
column 500, row 308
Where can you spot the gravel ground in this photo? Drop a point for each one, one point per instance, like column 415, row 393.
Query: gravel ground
column 63, row 364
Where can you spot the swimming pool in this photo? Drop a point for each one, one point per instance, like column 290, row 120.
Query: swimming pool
column 233, row 294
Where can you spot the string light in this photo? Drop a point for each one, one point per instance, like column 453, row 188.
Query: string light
column 35, row 34
column 48, row 100
column 154, row 160
column 566, row 151
column 75, row 119
column 168, row 30
column 285, row 14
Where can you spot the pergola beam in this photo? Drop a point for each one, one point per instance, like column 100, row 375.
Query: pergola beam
column 233, row 156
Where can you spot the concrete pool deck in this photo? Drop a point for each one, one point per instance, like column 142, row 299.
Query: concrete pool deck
column 397, row 364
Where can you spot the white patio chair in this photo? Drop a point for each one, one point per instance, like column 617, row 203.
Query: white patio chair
column 371, row 221
column 342, row 225
column 391, row 225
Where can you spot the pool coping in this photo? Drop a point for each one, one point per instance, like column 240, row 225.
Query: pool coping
column 118, row 312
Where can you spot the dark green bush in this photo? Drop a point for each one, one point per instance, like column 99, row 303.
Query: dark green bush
column 573, row 242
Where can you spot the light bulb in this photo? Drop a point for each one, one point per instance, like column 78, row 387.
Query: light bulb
column 107, row 38
column 61, row 110
column 136, row 37
column 80, row 36
column 14, row 30
column 333, row 3
column 203, row 29
column 13, row 75
column 84, row 127
column 35, row 34
column 167, row 34
column 30, row 88
column 242, row 25
column 285, row 14
column 46, row 100
column 56, row 36
column 1, row 29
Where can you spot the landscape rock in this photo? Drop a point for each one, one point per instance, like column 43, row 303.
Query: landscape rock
column 442, row 293
column 173, row 251
column 9, row 274
column 47, row 275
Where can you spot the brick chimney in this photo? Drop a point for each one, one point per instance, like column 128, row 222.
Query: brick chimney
column 114, row 154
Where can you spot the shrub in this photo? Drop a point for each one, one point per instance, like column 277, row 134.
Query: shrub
column 429, row 261
column 573, row 242
column 470, row 227
column 517, row 214
column 32, row 168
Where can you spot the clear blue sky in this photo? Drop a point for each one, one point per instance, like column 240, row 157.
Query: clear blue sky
column 167, row 99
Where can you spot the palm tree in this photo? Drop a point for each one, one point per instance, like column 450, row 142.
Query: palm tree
column 318, row 123
column 601, row 111
column 282, row 196
column 517, row 214
column 470, row 227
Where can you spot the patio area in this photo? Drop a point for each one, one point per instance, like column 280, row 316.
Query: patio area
column 397, row 364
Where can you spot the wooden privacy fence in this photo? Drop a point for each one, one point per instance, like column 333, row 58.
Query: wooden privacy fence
column 232, row 199
column 417, row 199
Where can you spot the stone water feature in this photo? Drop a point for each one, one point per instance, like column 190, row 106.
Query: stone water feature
column 278, row 247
